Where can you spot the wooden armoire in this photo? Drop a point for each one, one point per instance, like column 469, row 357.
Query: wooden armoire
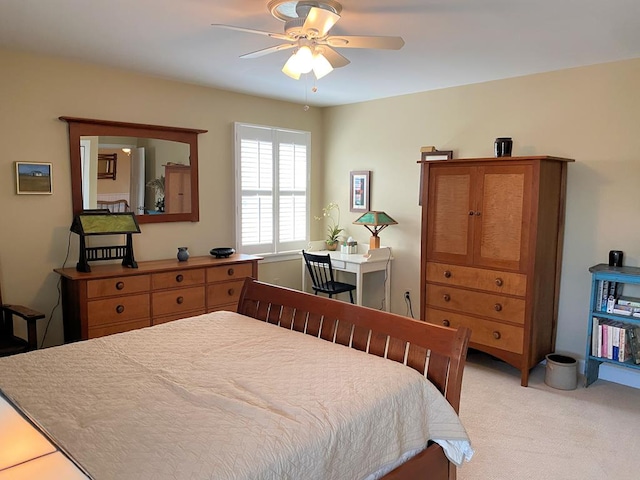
column 177, row 185
column 491, row 252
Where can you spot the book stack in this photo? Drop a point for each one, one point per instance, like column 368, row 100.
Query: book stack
column 615, row 340
column 606, row 293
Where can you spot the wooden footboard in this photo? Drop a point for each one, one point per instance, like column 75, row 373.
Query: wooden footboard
column 434, row 351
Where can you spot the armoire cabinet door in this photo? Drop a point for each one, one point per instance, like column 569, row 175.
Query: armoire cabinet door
column 503, row 217
column 450, row 215
column 177, row 189
column 480, row 216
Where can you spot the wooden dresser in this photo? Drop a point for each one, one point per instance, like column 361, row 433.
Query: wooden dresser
column 491, row 252
column 113, row 299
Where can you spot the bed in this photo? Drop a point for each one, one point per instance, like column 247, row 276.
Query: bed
column 222, row 396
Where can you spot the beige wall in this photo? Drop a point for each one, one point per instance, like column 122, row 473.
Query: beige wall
column 36, row 90
column 589, row 114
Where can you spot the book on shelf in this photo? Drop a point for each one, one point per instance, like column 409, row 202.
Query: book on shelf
column 612, row 339
column 606, row 290
column 629, row 301
column 633, row 337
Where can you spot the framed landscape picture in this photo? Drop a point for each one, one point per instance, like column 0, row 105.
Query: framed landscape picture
column 33, row 178
column 360, row 192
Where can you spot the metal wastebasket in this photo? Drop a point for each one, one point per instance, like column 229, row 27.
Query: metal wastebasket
column 561, row 372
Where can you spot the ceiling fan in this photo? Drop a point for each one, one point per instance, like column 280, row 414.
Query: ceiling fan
column 307, row 30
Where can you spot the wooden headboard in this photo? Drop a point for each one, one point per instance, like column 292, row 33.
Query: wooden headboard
column 437, row 352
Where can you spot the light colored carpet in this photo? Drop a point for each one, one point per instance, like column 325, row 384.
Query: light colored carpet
column 542, row 433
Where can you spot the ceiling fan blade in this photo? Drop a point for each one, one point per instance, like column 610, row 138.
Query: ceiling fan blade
column 266, row 51
column 354, row 41
column 335, row 59
column 318, row 22
column 279, row 36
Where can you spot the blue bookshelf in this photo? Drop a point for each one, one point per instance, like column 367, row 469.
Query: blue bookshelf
column 621, row 276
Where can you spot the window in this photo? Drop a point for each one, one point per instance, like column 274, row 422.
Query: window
column 272, row 178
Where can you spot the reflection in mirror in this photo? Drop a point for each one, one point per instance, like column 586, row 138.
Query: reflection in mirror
column 132, row 174
column 147, row 169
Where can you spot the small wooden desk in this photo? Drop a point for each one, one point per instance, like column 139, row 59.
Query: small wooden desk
column 373, row 261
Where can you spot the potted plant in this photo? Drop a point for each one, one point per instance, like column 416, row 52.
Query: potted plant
column 332, row 213
column 158, row 185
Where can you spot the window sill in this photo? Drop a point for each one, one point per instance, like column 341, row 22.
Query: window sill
column 280, row 257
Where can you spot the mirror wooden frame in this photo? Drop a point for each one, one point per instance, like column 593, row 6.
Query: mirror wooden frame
column 79, row 127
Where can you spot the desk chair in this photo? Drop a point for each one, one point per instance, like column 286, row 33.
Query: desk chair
column 321, row 273
column 114, row 205
column 9, row 343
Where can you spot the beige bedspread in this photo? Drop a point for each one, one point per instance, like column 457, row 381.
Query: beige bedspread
column 223, row 396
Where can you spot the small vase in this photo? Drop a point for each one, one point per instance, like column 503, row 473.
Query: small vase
column 503, row 146
column 333, row 246
column 183, row 254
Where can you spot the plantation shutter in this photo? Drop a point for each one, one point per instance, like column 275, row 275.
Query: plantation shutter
column 272, row 171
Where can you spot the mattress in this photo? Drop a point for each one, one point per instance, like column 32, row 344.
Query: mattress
column 224, row 396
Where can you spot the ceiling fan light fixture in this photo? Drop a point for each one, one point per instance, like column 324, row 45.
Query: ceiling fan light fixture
column 321, row 66
column 290, row 68
column 304, row 59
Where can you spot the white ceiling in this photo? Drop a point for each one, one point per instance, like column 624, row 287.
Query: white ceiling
column 448, row 42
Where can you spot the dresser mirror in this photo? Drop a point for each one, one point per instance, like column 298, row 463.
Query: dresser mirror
column 149, row 170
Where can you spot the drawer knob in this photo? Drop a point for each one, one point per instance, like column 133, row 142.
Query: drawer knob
column 446, row 322
column 180, row 300
column 496, row 335
column 230, row 272
column 120, row 309
column 119, row 285
column 471, row 212
column 499, row 282
column 497, row 307
column 447, row 274
column 446, row 297
column 231, row 291
column 478, row 214
column 179, row 278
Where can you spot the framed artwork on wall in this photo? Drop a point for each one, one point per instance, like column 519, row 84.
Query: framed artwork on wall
column 34, row 178
column 360, row 195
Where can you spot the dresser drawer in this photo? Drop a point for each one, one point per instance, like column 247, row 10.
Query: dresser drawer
column 484, row 332
column 176, row 316
column 507, row 283
column 223, row 293
column 117, row 310
column 178, row 300
column 118, row 328
column 483, row 304
column 107, row 287
column 229, row 272
column 177, row 278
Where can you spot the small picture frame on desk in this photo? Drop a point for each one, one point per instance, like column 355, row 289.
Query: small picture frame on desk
column 360, row 195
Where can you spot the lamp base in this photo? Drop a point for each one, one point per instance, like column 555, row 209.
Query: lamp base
column 374, row 242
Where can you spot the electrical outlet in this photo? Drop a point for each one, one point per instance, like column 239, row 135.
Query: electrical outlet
column 407, row 295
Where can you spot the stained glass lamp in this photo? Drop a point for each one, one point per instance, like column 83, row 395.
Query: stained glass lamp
column 374, row 222
column 104, row 222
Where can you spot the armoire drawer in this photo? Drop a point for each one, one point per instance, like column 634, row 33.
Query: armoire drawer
column 177, row 278
column 483, row 304
column 223, row 293
column 484, row 332
column 117, row 310
column 507, row 283
column 178, row 300
column 108, row 287
column 229, row 272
